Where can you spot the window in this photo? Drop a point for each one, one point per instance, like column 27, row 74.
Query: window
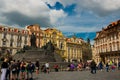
column 25, row 39
column 4, row 43
column 4, row 38
column 19, row 41
column 11, row 40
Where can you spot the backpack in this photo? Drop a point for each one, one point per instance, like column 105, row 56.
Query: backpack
column 29, row 67
column 13, row 67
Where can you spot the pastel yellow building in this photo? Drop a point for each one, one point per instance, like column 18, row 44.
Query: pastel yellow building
column 77, row 49
column 48, row 35
column 73, row 49
column 57, row 38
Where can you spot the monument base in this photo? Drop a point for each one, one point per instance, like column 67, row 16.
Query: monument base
column 41, row 55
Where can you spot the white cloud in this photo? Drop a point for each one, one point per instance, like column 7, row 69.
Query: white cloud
column 55, row 15
column 24, row 12
column 99, row 7
column 30, row 8
column 29, row 11
column 18, row 12
column 78, row 29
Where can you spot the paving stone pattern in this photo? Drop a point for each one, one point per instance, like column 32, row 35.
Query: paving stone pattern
column 79, row 75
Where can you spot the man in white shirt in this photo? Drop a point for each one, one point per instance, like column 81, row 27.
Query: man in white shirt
column 47, row 67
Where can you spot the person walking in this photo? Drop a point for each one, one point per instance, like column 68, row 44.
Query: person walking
column 13, row 69
column 93, row 67
column 56, row 68
column 22, row 70
column 29, row 70
column 47, row 67
column 37, row 65
column 18, row 68
column 4, row 68
column 72, row 67
column 8, row 71
column 119, row 65
column 107, row 67
column 43, row 68
column 100, row 66
column 113, row 66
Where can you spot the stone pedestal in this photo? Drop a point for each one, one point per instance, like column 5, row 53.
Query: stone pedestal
column 41, row 55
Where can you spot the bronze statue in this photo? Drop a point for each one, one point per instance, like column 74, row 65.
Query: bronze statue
column 33, row 40
column 50, row 47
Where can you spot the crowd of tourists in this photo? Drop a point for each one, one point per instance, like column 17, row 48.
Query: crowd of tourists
column 23, row 70
column 93, row 66
column 20, row 70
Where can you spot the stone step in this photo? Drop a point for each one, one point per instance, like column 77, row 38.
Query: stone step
column 40, row 55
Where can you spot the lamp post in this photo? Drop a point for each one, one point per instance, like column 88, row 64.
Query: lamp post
column 68, row 54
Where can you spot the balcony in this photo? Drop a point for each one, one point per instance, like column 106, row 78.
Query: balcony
column 110, row 53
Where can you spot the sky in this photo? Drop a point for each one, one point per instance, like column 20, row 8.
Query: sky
column 68, row 16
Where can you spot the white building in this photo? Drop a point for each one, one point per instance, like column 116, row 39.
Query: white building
column 107, row 43
column 12, row 39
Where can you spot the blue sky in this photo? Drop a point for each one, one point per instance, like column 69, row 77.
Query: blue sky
column 83, row 17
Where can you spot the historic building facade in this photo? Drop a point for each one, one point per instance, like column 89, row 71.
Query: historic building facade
column 35, row 29
column 73, row 49
column 57, row 38
column 12, row 39
column 107, row 43
column 77, row 50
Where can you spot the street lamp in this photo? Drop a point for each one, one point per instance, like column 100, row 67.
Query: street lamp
column 68, row 54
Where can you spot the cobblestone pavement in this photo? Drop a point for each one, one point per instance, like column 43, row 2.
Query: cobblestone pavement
column 79, row 75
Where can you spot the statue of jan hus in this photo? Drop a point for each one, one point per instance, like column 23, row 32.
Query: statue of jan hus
column 33, row 40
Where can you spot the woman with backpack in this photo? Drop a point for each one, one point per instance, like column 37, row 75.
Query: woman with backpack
column 22, row 70
column 13, row 69
column 29, row 70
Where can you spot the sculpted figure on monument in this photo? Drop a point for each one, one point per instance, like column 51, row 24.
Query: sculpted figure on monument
column 49, row 47
column 33, row 40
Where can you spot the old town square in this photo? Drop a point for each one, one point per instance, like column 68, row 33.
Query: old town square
column 59, row 39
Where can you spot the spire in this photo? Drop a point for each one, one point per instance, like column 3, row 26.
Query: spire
column 74, row 35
